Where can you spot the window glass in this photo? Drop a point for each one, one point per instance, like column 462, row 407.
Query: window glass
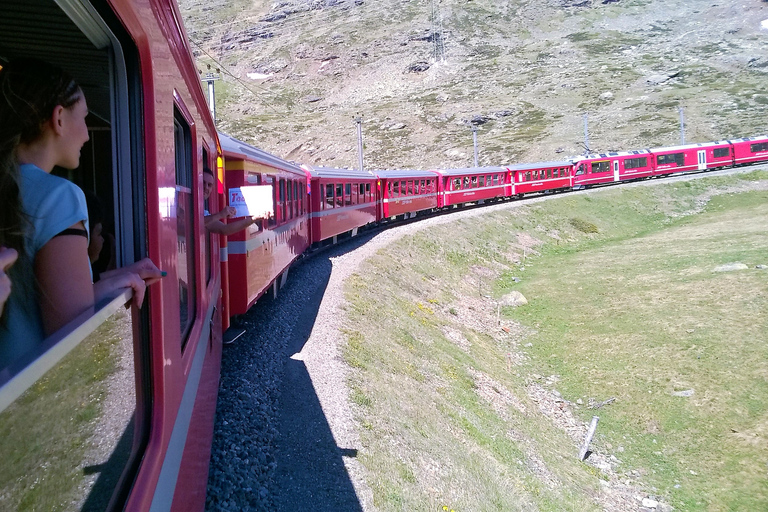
column 329, row 196
column 721, row 152
column 348, row 194
column 601, row 166
column 67, row 439
column 269, row 180
column 635, row 163
column 759, row 146
column 185, row 243
column 368, row 192
column 339, row 194
column 281, row 200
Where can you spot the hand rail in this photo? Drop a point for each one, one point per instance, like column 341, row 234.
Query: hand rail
column 22, row 374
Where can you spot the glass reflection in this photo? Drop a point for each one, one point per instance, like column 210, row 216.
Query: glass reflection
column 65, row 441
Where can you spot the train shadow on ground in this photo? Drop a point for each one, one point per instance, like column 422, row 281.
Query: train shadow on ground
column 308, row 470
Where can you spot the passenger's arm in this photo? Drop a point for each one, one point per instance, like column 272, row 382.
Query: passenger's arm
column 63, row 276
column 233, row 227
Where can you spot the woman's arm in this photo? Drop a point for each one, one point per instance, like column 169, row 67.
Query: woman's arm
column 63, row 276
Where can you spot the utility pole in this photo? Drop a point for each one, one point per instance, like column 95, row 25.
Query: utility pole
column 586, row 133
column 359, row 122
column 682, row 126
column 474, row 141
column 211, row 77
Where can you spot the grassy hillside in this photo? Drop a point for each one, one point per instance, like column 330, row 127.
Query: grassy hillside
column 468, row 404
column 296, row 72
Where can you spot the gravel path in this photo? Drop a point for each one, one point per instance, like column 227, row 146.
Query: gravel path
column 285, row 437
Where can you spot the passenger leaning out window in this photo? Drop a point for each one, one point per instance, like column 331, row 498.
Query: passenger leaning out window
column 44, row 217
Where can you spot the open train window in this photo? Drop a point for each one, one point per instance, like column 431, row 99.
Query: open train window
column 71, row 435
column 329, row 195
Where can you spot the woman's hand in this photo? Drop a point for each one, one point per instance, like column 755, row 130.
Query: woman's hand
column 7, row 259
column 145, row 269
column 119, row 280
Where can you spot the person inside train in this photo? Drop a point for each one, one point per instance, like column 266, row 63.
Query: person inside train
column 7, row 259
column 44, row 217
column 213, row 221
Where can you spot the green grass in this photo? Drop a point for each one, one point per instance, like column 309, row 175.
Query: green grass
column 631, row 310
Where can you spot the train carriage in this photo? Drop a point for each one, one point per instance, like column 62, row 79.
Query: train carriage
column 341, row 201
column 406, row 192
column 612, row 167
column 691, row 157
column 478, row 184
column 541, row 177
column 259, row 256
column 750, row 150
column 116, row 410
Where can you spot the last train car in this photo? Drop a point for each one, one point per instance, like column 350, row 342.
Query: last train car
column 115, row 410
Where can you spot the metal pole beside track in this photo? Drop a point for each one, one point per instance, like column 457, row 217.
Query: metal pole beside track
column 359, row 121
column 682, row 126
column 586, row 133
column 474, row 141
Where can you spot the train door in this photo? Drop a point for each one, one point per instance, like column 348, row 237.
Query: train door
column 702, row 159
column 615, row 170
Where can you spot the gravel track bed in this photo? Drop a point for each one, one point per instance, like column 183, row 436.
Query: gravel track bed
column 285, row 437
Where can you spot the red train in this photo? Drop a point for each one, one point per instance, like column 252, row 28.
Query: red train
column 115, row 411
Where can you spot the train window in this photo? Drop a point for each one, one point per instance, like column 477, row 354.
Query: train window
column 474, row 181
column 758, row 146
column 549, row 173
column 206, row 165
column 289, row 197
column 281, row 200
column 457, row 184
column 636, row 163
column 721, row 152
column 269, row 180
column 675, row 158
column 368, row 192
column 601, row 166
column 329, row 196
column 396, row 188
column 348, row 194
column 185, row 243
column 339, row 194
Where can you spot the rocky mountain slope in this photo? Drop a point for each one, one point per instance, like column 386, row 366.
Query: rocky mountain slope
column 421, row 73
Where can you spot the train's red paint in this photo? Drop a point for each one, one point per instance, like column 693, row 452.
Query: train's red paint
column 341, row 200
column 541, row 177
column 258, row 257
column 406, row 192
column 480, row 184
column 750, row 150
column 152, row 136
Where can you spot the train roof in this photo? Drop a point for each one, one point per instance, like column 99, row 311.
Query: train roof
column 470, row 170
column 232, row 147
column 611, row 154
column 403, row 173
column 689, row 146
column 335, row 172
column 540, row 165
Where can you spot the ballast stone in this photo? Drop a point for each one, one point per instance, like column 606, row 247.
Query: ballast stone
column 513, row 299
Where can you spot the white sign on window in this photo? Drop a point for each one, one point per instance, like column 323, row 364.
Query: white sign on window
column 254, row 200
